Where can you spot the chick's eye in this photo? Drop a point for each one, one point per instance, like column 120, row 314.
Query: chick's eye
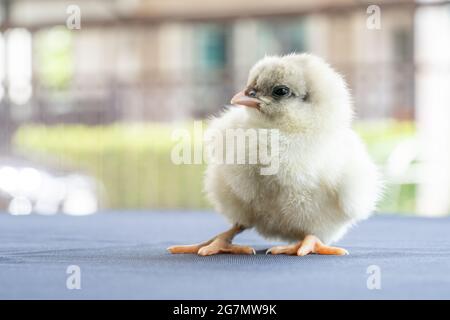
column 251, row 93
column 281, row 91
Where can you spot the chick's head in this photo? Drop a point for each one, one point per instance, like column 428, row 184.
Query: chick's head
column 296, row 93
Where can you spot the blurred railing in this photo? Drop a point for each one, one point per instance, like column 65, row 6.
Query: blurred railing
column 384, row 90
column 154, row 97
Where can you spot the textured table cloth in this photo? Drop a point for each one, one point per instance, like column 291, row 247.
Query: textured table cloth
column 122, row 255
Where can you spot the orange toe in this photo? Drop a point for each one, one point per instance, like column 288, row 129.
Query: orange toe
column 184, row 249
column 290, row 249
column 312, row 244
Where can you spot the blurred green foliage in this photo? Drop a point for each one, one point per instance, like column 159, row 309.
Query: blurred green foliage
column 381, row 137
column 54, row 57
column 134, row 161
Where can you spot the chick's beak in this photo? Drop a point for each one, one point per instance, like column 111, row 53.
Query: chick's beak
column 242, row 99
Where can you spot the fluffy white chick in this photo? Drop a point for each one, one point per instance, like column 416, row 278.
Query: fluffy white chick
column 325, row 181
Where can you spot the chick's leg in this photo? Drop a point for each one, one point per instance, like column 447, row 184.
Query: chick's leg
column 311, row 244
column 219, row 244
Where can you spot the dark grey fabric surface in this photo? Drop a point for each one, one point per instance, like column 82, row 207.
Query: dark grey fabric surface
column 123, row 256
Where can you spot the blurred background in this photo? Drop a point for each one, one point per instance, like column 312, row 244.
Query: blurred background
column 91, row 91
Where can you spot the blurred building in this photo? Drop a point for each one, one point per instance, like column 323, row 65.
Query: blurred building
column 167, row 59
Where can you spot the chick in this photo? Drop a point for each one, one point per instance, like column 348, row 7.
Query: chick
column 325, row 181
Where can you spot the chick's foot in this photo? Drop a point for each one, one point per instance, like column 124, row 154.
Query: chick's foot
column 311, row 244
column 219, row 244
